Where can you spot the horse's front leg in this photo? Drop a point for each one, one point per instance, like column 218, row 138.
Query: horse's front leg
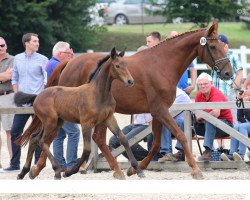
column 114, row 128
column 86, row 133
column 170, row 123
column 156, row 128
column 99, row 136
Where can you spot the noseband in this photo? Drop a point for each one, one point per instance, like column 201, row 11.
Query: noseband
column 203, row 42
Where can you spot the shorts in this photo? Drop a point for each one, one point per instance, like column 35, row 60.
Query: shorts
column 7, row 121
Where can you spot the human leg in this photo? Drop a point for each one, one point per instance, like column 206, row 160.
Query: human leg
column 58, row 148
column 73, row 132
column 17, row 128
column 244, row 128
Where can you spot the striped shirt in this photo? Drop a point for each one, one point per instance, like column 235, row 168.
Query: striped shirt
column 29, row 72
column 225, row 86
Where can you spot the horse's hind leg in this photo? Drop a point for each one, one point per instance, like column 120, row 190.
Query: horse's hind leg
column 99, row 136
column 86, row 133
column 32, row 146
column 41, row 163
column 114, row 128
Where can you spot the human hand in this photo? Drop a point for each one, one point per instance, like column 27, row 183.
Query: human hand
column 189, row 89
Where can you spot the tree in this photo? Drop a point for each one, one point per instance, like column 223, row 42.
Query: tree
column 200, row 12
column 52, row 20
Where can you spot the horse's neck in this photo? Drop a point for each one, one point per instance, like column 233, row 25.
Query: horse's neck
column 177, row 53
column 103, row 82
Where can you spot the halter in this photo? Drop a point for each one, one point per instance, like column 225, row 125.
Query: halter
column 203, row 42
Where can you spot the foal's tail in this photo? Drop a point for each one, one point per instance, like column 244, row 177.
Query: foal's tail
column 33, row 129
column 36, row 125
column 24, row 98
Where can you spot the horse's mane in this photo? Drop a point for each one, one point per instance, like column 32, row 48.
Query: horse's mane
column 176, row 36
column 98, row 68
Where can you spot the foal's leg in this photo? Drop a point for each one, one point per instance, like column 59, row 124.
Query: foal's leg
column 32, row 146
column 114, row 128
column 99, row 136
column 86, row 133
column 41, row 163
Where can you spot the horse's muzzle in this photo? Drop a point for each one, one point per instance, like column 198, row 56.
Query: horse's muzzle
column 130, row 83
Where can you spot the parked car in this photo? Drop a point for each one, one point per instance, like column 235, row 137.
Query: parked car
column 131, row 12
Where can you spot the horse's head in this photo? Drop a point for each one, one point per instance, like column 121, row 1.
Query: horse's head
column 211, row 51
column 119, row 68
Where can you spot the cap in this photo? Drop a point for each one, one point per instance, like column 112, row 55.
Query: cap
column 223, row 38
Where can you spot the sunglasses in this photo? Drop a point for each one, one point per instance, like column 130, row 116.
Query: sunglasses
column 2, row 45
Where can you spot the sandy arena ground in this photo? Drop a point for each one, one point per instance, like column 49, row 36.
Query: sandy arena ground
column 47, row 174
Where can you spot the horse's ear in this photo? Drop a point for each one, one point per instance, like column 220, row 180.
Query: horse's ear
column 113, row 53
column 213, row 28
column 122, row 53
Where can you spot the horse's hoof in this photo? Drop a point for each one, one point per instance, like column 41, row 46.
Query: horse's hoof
column 141, row 174
column 19, row 177
column 119, row 176
column 131, row 171
column 31, row 176
column 57, row 177
column 197, row 175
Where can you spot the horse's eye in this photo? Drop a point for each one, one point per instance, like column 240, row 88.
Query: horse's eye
column 117, row 66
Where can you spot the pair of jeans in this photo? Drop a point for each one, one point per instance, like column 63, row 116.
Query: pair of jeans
column 130, row 131
column 235, row 145
column 209, row 131
column 73, row 132
column 18, row 125
column 166, row 139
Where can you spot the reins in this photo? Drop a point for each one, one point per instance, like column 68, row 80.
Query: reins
column 203, row 42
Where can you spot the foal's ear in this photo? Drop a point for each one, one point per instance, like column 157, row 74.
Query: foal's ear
column 213, row 28
column 113, row 53
column 122, row 53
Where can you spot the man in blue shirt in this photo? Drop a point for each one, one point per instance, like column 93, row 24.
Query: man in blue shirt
column 29, row 76
column 62, row 51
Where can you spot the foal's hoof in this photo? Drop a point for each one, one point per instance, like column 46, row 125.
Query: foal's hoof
column 197, row 175
column 31, row 175
column 140, row 173
column 131, row 171
column 19, row 177
column 119, row 176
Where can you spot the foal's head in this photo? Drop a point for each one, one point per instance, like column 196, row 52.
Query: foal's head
column 211, row 51
column 118, row 68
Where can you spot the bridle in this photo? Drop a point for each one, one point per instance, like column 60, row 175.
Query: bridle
column 203, row 42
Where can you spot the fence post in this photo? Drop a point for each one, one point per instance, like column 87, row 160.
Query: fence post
column 243, row 58
column 187, row 127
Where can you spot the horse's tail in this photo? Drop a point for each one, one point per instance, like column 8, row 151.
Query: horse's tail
column 55, row 75
column 23, row 98
column 33, row 129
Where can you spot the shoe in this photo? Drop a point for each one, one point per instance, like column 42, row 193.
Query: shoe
column 167, row 157
column 225, row 157
column 206, row 156
column 9, row 169
column 179, row 156
column 237, row 157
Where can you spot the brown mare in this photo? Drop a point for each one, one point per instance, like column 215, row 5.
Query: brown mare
column 90, row 104
column 156, row 72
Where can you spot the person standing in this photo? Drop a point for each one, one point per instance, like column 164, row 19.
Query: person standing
column 62, row 51
column 29, row 76
column 6, row 64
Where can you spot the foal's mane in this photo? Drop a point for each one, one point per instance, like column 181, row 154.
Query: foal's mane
column 98, row 68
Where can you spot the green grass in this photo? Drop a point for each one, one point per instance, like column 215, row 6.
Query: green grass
column 133, row 36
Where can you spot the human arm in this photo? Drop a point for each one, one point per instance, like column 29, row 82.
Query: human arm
column 236, row 83
column 6, row 76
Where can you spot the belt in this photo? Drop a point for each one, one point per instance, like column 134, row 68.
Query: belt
column 6, row 92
